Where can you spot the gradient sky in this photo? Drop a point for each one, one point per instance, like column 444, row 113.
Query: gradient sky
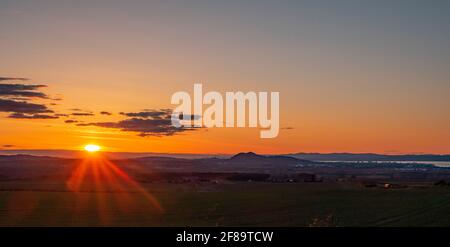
column 353, row 76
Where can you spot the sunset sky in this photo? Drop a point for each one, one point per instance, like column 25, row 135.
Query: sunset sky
column 353, row 76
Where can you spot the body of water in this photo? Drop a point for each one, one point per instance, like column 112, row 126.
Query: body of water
column 435, row 163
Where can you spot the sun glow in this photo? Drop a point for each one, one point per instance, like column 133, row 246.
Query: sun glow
column 91, row 148
column 99, row 175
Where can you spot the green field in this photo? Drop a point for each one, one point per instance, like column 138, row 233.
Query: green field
column 237, row 204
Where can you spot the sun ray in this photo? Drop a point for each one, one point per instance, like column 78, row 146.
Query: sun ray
column 111, row 186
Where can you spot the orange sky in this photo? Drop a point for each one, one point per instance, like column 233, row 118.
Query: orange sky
column 347, row 82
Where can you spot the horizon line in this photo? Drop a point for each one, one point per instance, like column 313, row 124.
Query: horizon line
column 222, row 154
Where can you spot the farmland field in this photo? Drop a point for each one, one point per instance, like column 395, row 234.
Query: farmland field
column 38, row 203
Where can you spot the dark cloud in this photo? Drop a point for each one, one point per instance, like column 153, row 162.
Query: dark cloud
column 148, row 113
column 13, row 79
column 287, row 128
column 71, row 121
column 17, row 100
column 157, row 114
column 7, row 105
column 82, row 114
column 22, row 90
column 146, row 123
column 145, row 127
column 76, row 109
column 8, row 146
column 32, row 116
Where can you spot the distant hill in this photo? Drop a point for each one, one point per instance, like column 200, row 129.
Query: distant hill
column 369, row 157
column 28, row 166
column 26, row 157
column 241, row 162
column 41, row 167
column 250, row 158
column 248, row 154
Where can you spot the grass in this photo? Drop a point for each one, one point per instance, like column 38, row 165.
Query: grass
column 238, row 204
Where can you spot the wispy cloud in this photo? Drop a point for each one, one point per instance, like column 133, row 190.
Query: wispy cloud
column 18, row 100
column 77, row 109
column 70, row 121
column 82, row 114
column 78, row 112
column 106, row 113
column 7, row 105
column 32, row 116
column 148, row 113
column 13, row 79
column 22, row 90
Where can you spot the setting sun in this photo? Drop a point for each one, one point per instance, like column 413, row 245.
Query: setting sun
column 91, row 148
